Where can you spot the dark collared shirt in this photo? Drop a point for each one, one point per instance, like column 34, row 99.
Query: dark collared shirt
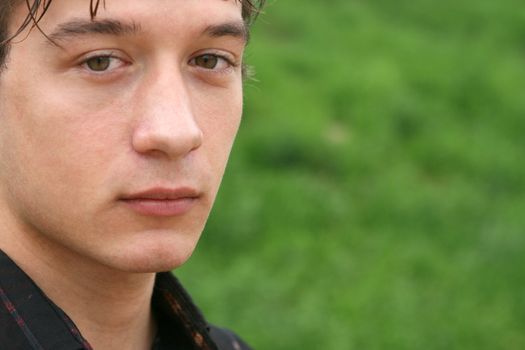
column 31, row 321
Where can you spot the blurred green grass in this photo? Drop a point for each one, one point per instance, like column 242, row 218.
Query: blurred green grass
column 375, row 196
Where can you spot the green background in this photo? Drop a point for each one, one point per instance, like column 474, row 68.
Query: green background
column 375, row 196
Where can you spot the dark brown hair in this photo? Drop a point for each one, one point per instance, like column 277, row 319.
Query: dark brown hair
column 38, row 8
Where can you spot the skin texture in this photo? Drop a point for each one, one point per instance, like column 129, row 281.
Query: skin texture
column 75, row 142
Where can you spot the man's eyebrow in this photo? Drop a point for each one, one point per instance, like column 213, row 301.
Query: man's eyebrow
column 234, row 29
column 80, row 27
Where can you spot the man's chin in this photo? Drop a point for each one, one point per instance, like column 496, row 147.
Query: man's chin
column 150, row 264
column 152, row 257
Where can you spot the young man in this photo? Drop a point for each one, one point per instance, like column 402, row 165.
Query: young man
column 116, row 122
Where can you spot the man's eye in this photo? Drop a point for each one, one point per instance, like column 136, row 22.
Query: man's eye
column 99, row 63
column 210, row 61
column 207, row 61
column 103, row 63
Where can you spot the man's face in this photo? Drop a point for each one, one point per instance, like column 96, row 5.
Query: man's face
column 113, row 145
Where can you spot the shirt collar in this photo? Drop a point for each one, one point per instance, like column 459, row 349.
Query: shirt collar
column 33, row 316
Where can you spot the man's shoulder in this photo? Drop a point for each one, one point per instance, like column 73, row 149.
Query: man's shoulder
column 226, row 339
column 173, row 304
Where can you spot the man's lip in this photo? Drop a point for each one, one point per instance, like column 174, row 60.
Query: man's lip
column 161, row 193
column 162, row 202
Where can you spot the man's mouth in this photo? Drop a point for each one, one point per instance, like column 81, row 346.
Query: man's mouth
column 163, row 202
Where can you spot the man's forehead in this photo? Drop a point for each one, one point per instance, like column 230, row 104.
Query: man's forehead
column 43, row 10
column 63, row 18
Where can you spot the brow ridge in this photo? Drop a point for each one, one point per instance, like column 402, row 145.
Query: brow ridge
column 234, row 29
column 78, row 27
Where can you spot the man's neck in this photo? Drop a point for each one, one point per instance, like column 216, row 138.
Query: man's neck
column 112, row 309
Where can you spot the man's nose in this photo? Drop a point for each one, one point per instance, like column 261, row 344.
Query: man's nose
column 166, row 124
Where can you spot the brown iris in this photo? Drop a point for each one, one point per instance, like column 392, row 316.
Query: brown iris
column 99, row 63
column 207, row 61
